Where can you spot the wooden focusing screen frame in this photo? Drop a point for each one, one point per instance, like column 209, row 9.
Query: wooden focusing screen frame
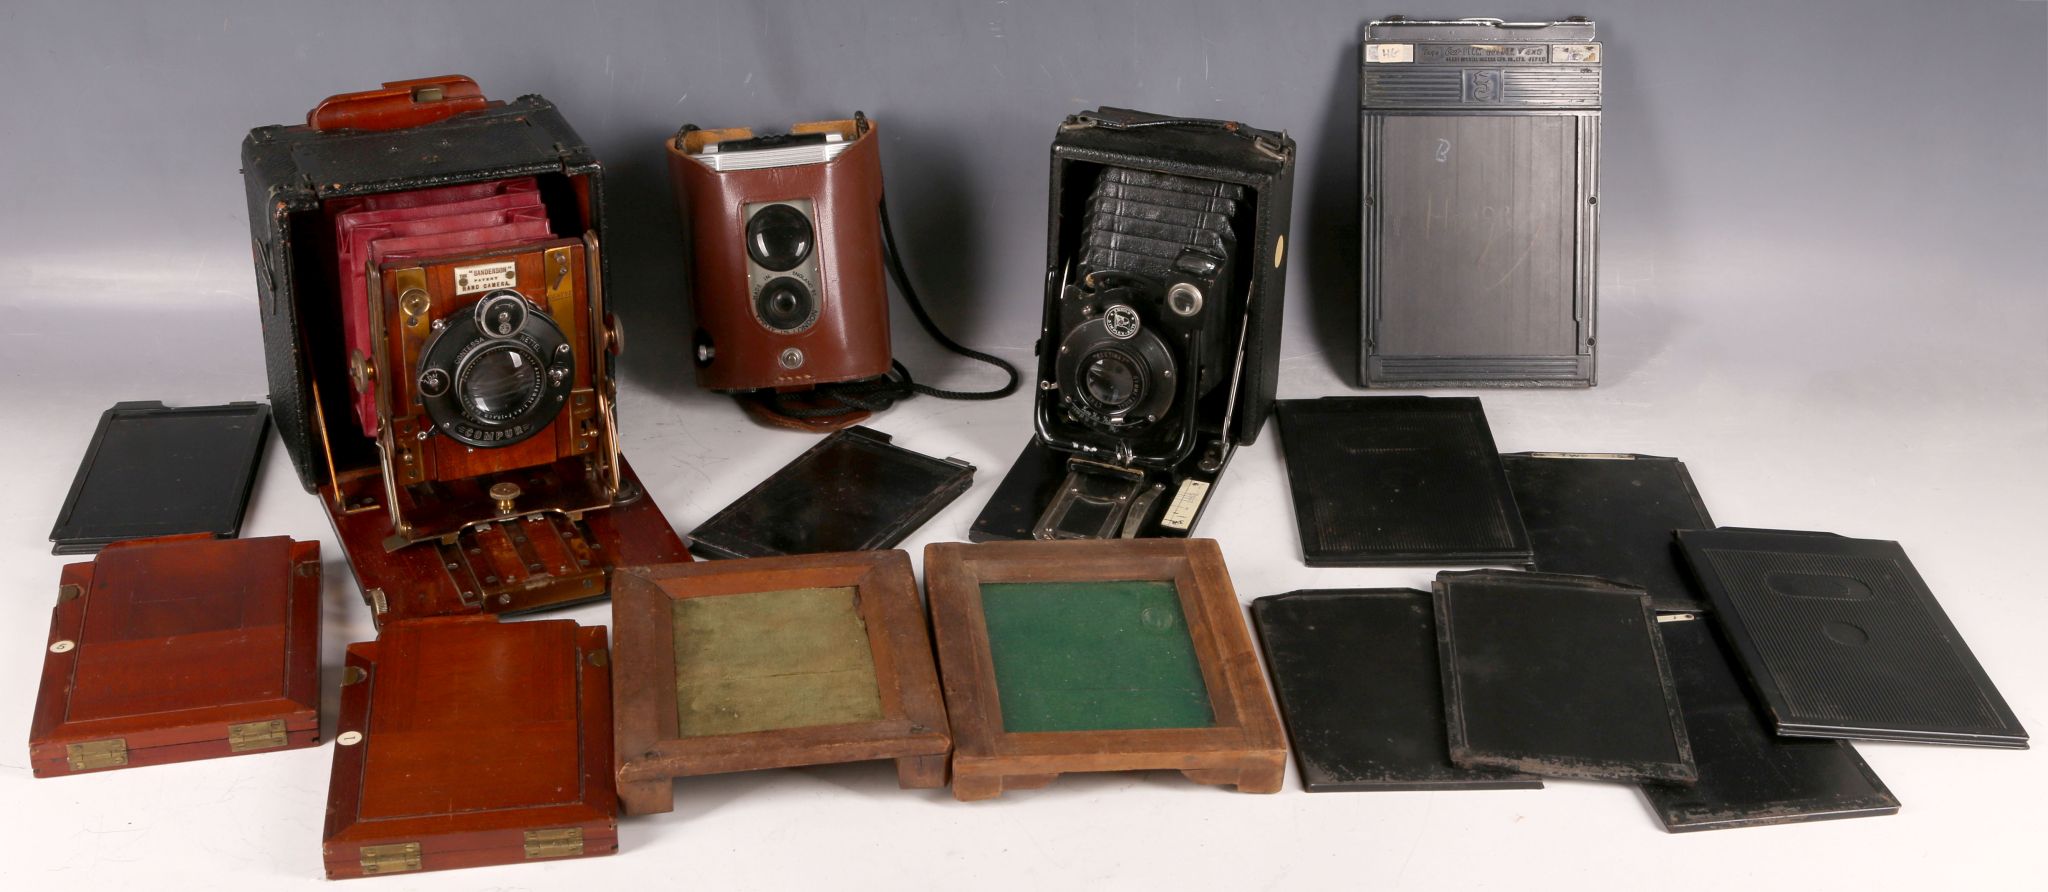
column 1243, row 747
column 912, row 730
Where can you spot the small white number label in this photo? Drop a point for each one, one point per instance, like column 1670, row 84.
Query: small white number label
column 1389, row 52
column 486, row 277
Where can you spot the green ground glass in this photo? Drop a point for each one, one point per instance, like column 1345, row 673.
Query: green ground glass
column 1093, row 656
column 767, row 660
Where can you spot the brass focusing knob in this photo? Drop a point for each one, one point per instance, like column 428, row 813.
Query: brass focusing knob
column 415, row 302
column 360, row 374
column 615, row 335
column 504, row 493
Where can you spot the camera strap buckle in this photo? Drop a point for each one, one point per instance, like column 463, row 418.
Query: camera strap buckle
column 1094, row 502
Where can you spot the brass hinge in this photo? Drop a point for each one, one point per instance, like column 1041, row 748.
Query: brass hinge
column 255, row 736
column 397, row 857
column 97, row 754
column 554, row 843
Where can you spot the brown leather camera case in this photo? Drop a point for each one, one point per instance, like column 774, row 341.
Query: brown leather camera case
column 850, row 338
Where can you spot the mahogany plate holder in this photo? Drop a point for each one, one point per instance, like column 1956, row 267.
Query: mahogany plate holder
column 776, row 662
column 180, row 648
column 1027, row 632
column 466, row 742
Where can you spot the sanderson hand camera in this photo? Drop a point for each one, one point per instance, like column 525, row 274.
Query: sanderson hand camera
column 1160, row 346
column 439, row 346
column 495, row 365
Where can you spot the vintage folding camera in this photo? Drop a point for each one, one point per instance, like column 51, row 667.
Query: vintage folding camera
column 440, row 352
column 1160, row 346
column 789, row 289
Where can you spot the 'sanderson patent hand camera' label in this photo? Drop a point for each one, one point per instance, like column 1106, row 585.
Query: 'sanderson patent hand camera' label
column 485, row 277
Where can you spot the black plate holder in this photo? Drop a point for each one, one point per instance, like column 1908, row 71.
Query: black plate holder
column 154, row 470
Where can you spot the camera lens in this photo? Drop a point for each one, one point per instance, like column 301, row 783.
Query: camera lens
column 779, row 237
column 486, row 386
column 785, row 304
column 500, row 381
column 1116, row 385
column 1112, row 380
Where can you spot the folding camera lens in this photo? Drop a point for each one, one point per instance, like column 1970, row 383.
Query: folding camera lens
column 1112, row 380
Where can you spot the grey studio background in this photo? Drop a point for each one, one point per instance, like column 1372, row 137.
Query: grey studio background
column 1821, row 284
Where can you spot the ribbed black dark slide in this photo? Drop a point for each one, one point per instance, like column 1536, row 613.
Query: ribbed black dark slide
column 1840, row 637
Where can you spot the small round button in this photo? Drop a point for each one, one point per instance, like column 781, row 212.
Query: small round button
column 779, row 237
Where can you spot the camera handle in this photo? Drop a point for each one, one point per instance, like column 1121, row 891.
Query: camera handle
column 399, row 104
column 876, row 394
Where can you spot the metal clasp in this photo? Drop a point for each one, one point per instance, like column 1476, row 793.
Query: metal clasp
column 1092, row 503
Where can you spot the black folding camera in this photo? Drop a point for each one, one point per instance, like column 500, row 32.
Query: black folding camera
column 1160, row 346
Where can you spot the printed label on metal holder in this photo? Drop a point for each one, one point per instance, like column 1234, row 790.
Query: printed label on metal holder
column 1389, row 52
column 1186, row 502
column 486, row 277
column 1486, row 53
